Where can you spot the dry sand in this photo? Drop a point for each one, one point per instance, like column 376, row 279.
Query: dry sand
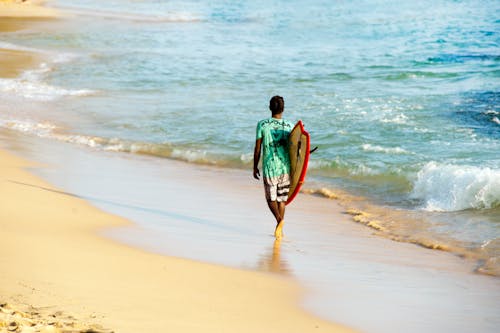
column 55, row 269
column 26, row 9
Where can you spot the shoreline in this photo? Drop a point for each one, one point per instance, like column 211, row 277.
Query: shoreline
column 344, row 269
column 56, row 260
column 361, row 267
column 15, row 16
column 15, row 62
column 378, row 219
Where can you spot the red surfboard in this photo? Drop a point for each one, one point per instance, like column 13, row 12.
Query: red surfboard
column 299, row 150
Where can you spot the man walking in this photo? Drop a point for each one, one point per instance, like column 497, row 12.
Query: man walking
column 272, row 140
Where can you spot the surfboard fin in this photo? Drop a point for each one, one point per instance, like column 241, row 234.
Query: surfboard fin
column 313, row 150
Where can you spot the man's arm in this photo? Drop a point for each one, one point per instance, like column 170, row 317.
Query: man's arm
column 256, row 158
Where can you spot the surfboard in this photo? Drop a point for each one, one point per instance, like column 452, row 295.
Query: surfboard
column 298, row 148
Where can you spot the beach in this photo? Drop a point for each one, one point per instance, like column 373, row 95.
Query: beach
column 55, row 261
column 59, row 275
column 26, row 9
column 346, row 273
column 119, row 216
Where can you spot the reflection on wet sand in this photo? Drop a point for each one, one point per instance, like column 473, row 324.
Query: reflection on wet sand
column 272, row 261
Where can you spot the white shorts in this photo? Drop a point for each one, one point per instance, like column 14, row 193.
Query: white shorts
column 277, row 188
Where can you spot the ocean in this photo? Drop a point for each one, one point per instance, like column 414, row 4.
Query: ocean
column 401, row 97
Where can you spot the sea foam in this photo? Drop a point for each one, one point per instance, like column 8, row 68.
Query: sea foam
column 39, row 91
column 380, row 149
column 30, row 85
column 447, row 187
column 51, row 131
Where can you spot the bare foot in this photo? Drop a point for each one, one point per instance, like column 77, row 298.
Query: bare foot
column 278, row 233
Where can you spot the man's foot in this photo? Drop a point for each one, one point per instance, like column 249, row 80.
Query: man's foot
column 278, row 233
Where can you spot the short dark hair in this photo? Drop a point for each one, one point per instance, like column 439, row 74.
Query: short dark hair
column 276, row 104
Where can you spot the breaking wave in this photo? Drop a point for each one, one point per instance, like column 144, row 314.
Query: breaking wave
column 166, row 150
column 39, row 91
column 447, row 187
column 31, row 84
column 379, row 149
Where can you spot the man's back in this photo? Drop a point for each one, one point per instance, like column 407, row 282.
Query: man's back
column 274, row 134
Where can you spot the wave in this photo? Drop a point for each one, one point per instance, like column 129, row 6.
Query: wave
column 178, row 17
column 399, row 119
column 55, row 57
column 165, row 150
column 39, row 91
column 30, row 84
column 400, row 76
column 447, row 187
column 379, row 149
column 16, row 47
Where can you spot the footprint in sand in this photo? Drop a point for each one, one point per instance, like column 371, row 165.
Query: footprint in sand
column 28, row 319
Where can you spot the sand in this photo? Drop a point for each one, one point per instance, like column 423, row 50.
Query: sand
column 58, row 272
column 26, row 9
column 16, row 15
column 13, row 62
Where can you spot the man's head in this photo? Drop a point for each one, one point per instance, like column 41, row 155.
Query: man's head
column 276, row 105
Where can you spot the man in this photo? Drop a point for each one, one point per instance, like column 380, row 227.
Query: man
column 272, row 139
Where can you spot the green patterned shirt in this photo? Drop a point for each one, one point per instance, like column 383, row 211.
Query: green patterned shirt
column 274, row 134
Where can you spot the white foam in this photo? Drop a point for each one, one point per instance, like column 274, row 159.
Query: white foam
column 10, row 46
column 447, row 187
column 89, row 141
column 189, row 155
column 128, row 16
column 362, row 170
column 496, row 120
column 400, row 119
column 50, row 131
column 30, row 88
column 39, row 129
column 318, row 164
column 380, row 149
column 422, row 130
column 55, row 57
column 246, row 158
column 30, row 84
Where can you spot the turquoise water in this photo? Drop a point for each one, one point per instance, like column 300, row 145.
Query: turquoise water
column 402, row 98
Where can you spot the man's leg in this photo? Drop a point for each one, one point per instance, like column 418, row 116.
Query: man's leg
column 278, row 232
column 278, row 210
column 274, row 207
column 281, row 209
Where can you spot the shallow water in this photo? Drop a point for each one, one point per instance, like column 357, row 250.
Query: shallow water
column 401, row 98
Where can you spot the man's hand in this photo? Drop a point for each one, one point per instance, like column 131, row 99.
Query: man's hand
column 256, row 173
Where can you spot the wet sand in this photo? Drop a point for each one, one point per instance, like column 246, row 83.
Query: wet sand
column 219, row 216
column 60, row 276
column 55, row 261
column 16, row 16
column 64, row 271
column 14, row 62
